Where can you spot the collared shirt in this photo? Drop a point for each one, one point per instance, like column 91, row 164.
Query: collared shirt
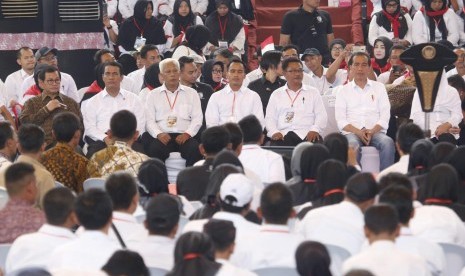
column 117, row 157
column 339, row 224
column 90, row 251
column 254, row 75
column 265, row 88
column 19, row 217
column 157, row 251
column 66, row 166
column 13, row 85
column 321, row 83
column 298, row 111
column 127, row 226
column 44, row 178
column 400, row 167
column 137, row 78
column 36, row 112
column 363, row 108
column 35, row 249
column 67, row 87
column 173, row 112
column 100, row 108
column 268, row 165
column 229, row 106
column 228, row 269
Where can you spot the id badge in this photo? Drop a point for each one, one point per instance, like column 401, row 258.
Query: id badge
column 222, row 44
column 171, row 121
column 140, row 42
column 289, row 117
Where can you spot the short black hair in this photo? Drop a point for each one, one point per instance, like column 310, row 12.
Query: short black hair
column 65, row 125
column 407, row 134
column 251, row 129
column 6, row 133
column 31, row 138
column 126, row 262
column 237, row 60
column 147, row 48
column 235, row 133
column 47, row 69
column 270, row 59
column 58, row 204
column 457, row 82
column 401, row 199
column 312, row 258
column 98, row 55
column 463, row 105
column 183, row 60
column 215, row 139
column 17, row 177
column 290, row 46
column 397, row 47
column 122, row 188
column 381, row 218
column 276, row 203
column 337, row 145
column 287, row 61
column 114, row 64
column 221, row 232
column 93, row 209
column 223, row 52
column 162, row 214
column 359, row 54
column 397, row 179
column 361, row 187
column 123, row 125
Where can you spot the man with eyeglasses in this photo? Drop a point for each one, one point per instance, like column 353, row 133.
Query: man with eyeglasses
column 362, row 111
column 149, row 55
column 48, row 56
column 295, row 112
column 41, row 109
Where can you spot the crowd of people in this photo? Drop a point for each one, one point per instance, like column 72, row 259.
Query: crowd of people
column 178, row 76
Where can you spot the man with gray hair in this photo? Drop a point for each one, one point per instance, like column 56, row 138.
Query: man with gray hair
column 174, row 116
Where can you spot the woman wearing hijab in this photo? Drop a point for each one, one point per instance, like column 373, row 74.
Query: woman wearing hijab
column 391, row 22
column 381, row 48
column 177, row 24
column 196, row 39
column 212, row 74
column 141, row 28
column 227, row 29
column 434, row 22
column 152, row 80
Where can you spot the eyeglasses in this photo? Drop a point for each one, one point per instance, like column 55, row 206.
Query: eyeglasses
column 217, row 72
column 51, row 82
column 295, row 71
column 49, row 58
column 337, row 49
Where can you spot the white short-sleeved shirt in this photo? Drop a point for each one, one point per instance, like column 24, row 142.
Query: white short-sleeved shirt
column 157, row 251
column 268, row 165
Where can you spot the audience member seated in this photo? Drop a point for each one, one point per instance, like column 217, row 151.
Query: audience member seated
column 295, row 163
column 153, row 180
column 152, row 80
column 105, row 55
column 19, row 215
column 382, row 257
column 418, row 162
column 149, row 55
column 119, row 156
column 66, row 166
column 8, row 148
column 34, row 249
column 125, row 262
column 459, row 64
column 456, row 160
column 312, row 258
column 339, row 149
column 41, row 109
column 93, row 246
column 397, row 67
column 212, row 74
column 196, row 38
column 342, row 224
column 96, row 86
column 380, row 61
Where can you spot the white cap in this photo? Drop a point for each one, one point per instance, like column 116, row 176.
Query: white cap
column 197, row 59
column 238, row 186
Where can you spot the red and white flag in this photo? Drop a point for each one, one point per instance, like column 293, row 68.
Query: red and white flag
column 267, row 44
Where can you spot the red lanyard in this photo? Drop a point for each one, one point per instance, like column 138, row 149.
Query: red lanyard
column 234, row 103
column 437, row 22
column 333, row 191
column 222, row 28
column 183, row 30
column 295, row 98
column 438, row 201
column 169, row 102
column 141, row 30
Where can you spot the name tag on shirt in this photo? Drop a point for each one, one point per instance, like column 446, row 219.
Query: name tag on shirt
column 222, row 44
column 140, row 42
column 171, row 121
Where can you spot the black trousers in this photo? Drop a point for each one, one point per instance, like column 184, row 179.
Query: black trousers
column 291, row 139
column 155, row 148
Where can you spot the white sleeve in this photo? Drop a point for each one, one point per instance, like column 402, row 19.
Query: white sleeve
column 112, row 5
column 408, row 35
column 151, row 120
column 277, row 173
column 239, row 41
column 453, row 33
column 416, row 113
column 197, row 116
column 200, row 6
column 373, row 31
column 126, row 8
column 212, row 116
column 90, row 120
column 419, row 30
column 258, row 108
column 454, row 106
column 139, row 111
column 384, row 108
column 321, row 117
column 272, row 116
column 10, row 93
column 340, row 111
column 168, row 28
column 72, row 90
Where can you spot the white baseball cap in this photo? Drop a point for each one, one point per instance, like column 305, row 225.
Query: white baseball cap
column 237, row 186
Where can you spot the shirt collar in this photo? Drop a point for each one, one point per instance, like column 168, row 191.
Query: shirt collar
column 301, row 88
column 120, row 216
column 324, row 72
column 229, row 216
column 23, row 74
column 121, row 93
column 369, row 84
column 56, row 231
column 228, row 89
column 382, row 245
column 160, row 238
column 164, row 89
column 30, row 160
column 51, row 96
column 274, row 228
column 405, row 231
column 250, row 146
column 121, row 144
column 64, row 145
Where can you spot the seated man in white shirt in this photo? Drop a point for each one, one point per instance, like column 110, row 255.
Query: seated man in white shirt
column 342, row 224
column 35, row 249
column 274, row 245
column 312, row 59
column 174, row 116
column 235, row 101
column 161, row 221
column 397, row 67
column 92, row 249
column 105, row 55
column 149, row 55
column 124, row 195
column 362, row 112
column 401, row 199
column 382, row 258
column 268, row 165
column 295, row 112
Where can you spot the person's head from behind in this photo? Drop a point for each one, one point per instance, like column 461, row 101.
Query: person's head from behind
column 407, row 134
column 236, row 137
column 401, row 199
column 310, row 160
column 66, row 128
column 8, row 139
column 312, row 259
column 236, row 193
column 458, row 83
column 457, row 161
column 440, row 153
column 213, row 140
column 153, row 176
column 276, row 204
column 361, row 189
column 162, row 216
column 381, row 223
column 217, row 176
column 123, row 126
column 419, row 156
column 398, row 179
column 122, row 188
column 94, row 210
column 359, row 272
column 252, row 130
column 197, row 37
column 20, row 182
column 442, row 184
column 31, row 139
column 223, row 235
column 125, row 262
column 338, row 146
column 59, row 207
column 331, row 179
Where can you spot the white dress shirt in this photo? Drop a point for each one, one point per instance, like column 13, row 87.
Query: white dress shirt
column 163, row 105
column 127, row 227
column 100, row 108
column 383, row 77
column 420, row 28
column 228, row 269
column 274, row 245
column 305, row 105
column 254, row 75
column 376, row 30
column 67, row 87
column 35, row 249
column 446, row 108
column 322, row 84
column 227, row 106
column 137, row 78
column 438, row 224
column 90, row 251
column 13, row 85
column 268, row 165
column 382, row 258
column 157, row 251
column 431, row 252
column 340, row 224
column 361, row 108
column 400, row 167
